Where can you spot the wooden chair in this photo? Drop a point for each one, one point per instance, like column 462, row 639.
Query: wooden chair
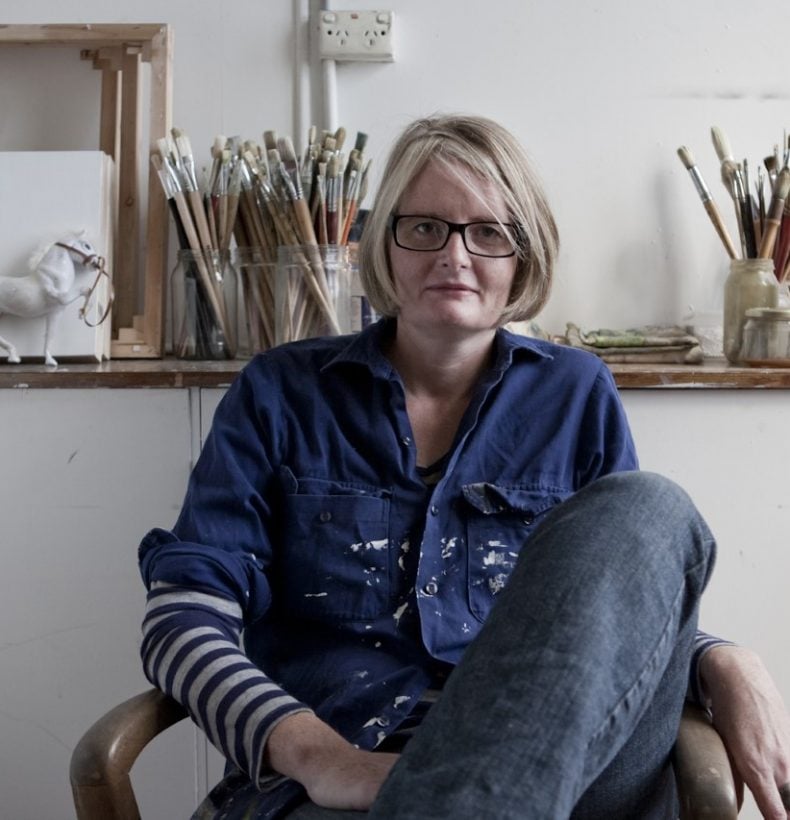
column 103, row 758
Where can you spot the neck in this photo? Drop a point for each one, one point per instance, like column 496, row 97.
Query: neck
column 438, row 366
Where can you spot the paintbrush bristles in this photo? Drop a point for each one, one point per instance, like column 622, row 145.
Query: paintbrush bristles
column 782, row 186
column 721, row 144
column 686, row 157
column 270, row 139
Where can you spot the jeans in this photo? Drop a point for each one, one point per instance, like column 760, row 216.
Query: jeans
column 567, row 703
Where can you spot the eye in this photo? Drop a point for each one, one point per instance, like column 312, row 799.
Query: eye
column 426, row 228
column 488, row 232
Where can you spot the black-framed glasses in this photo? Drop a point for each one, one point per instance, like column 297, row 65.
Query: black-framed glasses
column 429, row 233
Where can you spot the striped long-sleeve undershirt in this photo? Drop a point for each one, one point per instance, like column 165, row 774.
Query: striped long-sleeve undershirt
column 191, row 651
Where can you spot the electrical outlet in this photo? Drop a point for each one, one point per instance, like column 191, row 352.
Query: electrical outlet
column 357, row 35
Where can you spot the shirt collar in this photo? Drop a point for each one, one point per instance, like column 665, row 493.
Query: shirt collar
column 366, row 347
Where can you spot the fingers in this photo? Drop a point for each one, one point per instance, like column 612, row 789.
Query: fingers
column 773, row 801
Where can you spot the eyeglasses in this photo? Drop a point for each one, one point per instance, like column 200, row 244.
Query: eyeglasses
column 428, row 233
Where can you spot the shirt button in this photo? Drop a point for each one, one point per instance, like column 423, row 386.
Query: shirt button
column 431, row 588
column 405, row 441
column 325, row 516
column 434, row 509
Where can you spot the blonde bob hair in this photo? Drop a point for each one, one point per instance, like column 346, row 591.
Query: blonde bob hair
column 483, row 149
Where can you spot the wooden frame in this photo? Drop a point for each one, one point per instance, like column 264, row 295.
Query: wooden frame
column 119, row 51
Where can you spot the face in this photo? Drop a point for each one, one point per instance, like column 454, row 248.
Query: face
column 451, row 288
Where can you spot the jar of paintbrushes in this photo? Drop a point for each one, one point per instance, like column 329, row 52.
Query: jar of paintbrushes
column 759, row 271
column 204, row 305
column 312, row 292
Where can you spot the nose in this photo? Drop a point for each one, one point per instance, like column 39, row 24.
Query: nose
column 455, row 250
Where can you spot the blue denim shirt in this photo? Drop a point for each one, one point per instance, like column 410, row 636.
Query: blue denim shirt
column 361, row 585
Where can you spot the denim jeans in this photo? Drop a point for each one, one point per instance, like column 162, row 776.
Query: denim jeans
column 567, row 703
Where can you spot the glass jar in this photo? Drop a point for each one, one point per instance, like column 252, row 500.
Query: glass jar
column 312, row 292
column 203, row 305
column 766, row 337
column 751, row 284
column 256, row 276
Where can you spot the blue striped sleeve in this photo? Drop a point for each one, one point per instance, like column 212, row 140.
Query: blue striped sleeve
column 191, row 651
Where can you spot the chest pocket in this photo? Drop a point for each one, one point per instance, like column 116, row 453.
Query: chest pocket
column 500, row 520
column 335, row 559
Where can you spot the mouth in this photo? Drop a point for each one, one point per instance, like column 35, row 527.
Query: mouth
column 451, row 287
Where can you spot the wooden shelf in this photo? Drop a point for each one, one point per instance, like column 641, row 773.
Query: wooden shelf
column 122, row 373
column 715, row 373
column 168, row 373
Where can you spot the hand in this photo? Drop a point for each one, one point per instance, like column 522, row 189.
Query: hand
column 335, row 774
column 351, row 780
column 749, row 714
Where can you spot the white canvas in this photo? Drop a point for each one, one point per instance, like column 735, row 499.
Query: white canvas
column 44, row 195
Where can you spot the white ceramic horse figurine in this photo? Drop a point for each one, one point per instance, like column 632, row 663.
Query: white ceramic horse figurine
column 48, row 288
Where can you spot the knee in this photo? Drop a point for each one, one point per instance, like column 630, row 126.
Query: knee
column 639, row 500
column 642, row 489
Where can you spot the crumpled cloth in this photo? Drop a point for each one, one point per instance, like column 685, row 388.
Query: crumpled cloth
column 651, row 344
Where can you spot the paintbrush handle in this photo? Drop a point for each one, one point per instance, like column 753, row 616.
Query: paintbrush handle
column 212, row 222
column 201, row 223
column 769, row 238
column 721, row 228
column 782, row 248
column 773, row 221
column 748, row 228
column 331, row 226
column 232, row 209
column 349, row 221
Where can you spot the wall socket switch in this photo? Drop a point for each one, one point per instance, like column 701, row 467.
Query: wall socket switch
column 356, row 35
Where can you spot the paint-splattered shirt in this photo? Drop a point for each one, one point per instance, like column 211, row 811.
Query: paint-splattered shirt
column 357, row 583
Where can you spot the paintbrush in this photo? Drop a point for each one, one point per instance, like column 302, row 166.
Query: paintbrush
column 747, row 224
column 333, row 215
column 751, row 206
column 170, row 186
column 707, row 200
column 340, row 138
column 771, row 166
column 729, row 168
column 270, row 140
column 187, row 162
column 774, row 216
column 323, row 237
column 728, row 164
column 351, row 198
column 231, row 200
column 361, row 141
column 760, row 188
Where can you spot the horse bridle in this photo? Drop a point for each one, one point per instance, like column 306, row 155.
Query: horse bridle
column 98, row 262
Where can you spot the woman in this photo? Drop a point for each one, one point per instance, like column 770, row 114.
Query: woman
column 359, row 509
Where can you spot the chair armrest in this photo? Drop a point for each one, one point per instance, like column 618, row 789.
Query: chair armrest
column 705, row 782
column 104, row 756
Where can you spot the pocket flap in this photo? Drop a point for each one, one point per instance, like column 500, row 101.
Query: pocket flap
column 491, row 499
